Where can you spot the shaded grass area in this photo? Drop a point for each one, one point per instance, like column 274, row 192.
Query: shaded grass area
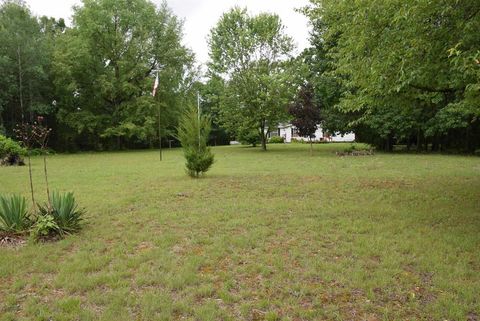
column 264, row 236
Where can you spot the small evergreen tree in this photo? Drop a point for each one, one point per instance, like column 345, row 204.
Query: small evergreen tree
column 193, row 133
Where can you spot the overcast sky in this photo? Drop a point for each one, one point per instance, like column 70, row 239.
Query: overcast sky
column 200, row 16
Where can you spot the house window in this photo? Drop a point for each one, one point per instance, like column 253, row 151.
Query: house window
column 274, row 133
column 295, row 132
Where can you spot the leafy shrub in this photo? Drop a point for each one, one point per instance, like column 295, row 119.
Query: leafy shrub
column 65, row 212
column 193, row 133
column 357, row 150
column 276, row 140
column 14, row 215
column 45, row 227
column 11, row 152
column 248, row 137
column 350, row 149
column 362, row 147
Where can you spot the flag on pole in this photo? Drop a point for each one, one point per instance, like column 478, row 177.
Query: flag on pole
column 155, row 86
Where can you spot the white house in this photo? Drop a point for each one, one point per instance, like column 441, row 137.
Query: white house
column 289, row 132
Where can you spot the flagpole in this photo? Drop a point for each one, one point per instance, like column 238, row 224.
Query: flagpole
column 198, row 112
column 160, row 131
column 154, row 93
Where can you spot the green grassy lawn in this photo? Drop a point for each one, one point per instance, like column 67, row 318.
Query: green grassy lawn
column 264, row 236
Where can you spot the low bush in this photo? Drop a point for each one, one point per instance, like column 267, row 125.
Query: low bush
column 354, row 150
column 11, row 152
column 45, row 227
column 14, row 215
column 362, row 147
column 276, row 140
column 65, row 213
column 350, row 149
column 249, row 137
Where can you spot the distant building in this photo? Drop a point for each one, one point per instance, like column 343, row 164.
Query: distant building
column 290, row 132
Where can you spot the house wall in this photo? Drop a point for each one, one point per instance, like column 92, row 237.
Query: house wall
column 286, row 133
column 349, row 137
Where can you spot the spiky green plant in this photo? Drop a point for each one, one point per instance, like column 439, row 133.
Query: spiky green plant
column 14, row 215
column 193, row 133
column 65, row 212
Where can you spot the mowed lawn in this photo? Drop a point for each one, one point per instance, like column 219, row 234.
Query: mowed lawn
column 278, row 235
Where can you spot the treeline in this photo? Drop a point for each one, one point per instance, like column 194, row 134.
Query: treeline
column 92, row 82
column 398, row 72
column 394, row 72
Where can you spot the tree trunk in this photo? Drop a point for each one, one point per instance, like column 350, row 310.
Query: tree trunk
column 264, row 142
column 263, row 135
column 311, row 146
column 468, row 149
column 419, row 141
column 435, row 143
column 389, row 144
column 20, row 83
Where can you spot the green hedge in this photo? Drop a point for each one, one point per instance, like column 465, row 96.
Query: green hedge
column 11, row 152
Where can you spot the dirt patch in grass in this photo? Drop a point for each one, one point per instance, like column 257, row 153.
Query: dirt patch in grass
column 12, row 241
column 385, row 183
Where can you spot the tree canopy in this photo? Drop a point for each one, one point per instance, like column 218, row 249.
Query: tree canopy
column 24, row 65
column 104, row 66
column 394, row 72
column 251, row 54
column 408, row 69
column 93, row 80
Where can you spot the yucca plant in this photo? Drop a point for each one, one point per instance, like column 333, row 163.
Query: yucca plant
column 65, row 212
column 14, row 215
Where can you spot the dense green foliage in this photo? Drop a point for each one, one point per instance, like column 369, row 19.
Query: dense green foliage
column 25, row 64
column 91, row 81
column 402, row 71
column 276, row 140
column 14, row 215
column 394, row 72
column 66, row 214
column 248, row 136
column 193, row 134
column 45, row 227
column 250, row 55
column 11, row 152
column 104, row 65
column 210, row 97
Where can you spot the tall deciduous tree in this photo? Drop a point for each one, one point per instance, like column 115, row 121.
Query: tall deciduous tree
column 25, row 86
column 409, row 69
column 104, row 67
column 250, row 53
